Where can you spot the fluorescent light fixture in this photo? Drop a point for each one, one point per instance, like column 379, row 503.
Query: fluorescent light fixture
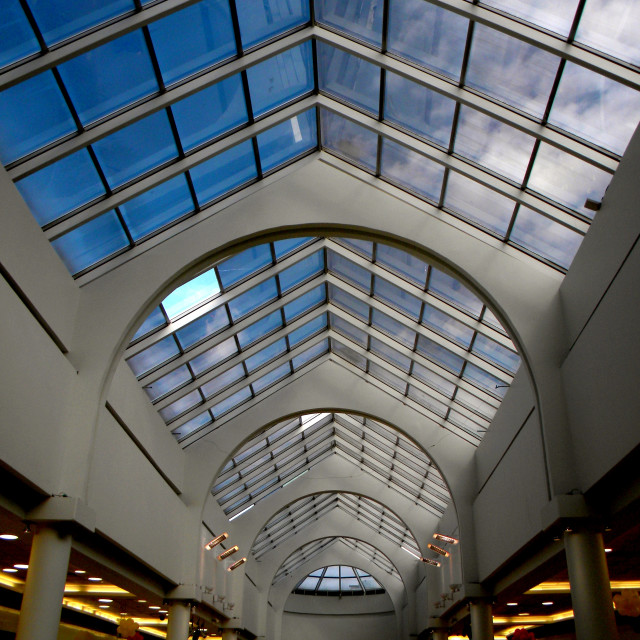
column 8, row 536
column 80, row 571
column 153, row 606
column 429, row 561
column 103, row 606
column 411, row 552
column 95, row 579
column 236, row 564
column 141, row 600
column 163, row 611
column 228, row 552
column 216, row 541
column 547, row 604
column 105, row 600
column 292, row 479
column 21, row 566
column 10, row 570
column 443, row 538
column 512, row 604
column 243, row 511
column 438, row 550
column 608, row 550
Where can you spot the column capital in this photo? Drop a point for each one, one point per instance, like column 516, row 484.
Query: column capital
column 570, row 511
column 65, row 510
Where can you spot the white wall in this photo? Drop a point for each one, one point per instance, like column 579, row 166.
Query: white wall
column 381, row 626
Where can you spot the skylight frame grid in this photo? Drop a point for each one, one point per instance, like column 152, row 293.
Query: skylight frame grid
column 361, row 591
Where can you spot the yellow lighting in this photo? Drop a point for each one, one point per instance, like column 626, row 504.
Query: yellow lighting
column 563, row 587
column 8, row 536
column 228, row 552
column 216, row 541
column 438, row 550
column 95, row 589
column 236, row 564
column 443, row 538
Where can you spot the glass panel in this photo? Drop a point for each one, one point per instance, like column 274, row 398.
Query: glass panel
column 60, row 20
column 438, row 354
column 308, row 583
column 265, row 355
column 552, row 15
column 61, row 187
column 478, row 203
column 264, row 19
column 154, row 356
column 332, row 572
column 285, row 247
column 393, row 328
column 32, row 115
column 157, row 207
column 363, row 20
column 511, row 70
column 109, row 77
column 475, row 404
column 210, row 112
column 349, row 271
column 348, row 139
column 384, row 375
column 418, row 109
column 136, row 149
column 214, row 356
column 329, row 584
column 348, row 354
column 152, row 322
column 426, row 34
column 595, row 108
column 244, row 264
column 349, row 303
column 217, row 176
column 17, row 40
column 450, row 289
column 307, row 330
column 252, row 299
column 222, row 381
column 168, row 383
column 301, row 271
column 398, row 298
column 362, row 247
column 567, row 179
column 231, row 402
column 370, row 583
column 427, row 401
column 496, row 353
column 180, row 406
column 205, row 37
column 545, row 238
column 493, row 144
column 192, row 425
column 411, row 170
column 260, row 329
column 304, row 303
column 279, row 79
column 348, row 77
column 92, row 242
column 447, row 326
column 390, row 354
column 310, row 354
column 203, row 327
column 484, row 380
column 348, row 330
column 287, row 140
column 191, row 294
column 433, row 380
column 612, row 28
column 271, row 378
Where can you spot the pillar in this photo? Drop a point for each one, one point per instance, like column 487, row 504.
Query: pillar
column 229, row 634
column 178, row 623
column 44, row 587
column 440, row 634
column 481, row 619
column 590, row 587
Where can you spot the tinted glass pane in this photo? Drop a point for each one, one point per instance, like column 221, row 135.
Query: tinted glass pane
column 431, row 36
column 264, row 19
column 307, row 330
column 360, row 19
column 308, row 583
column 92, row 242
column 447, row 326
column 493, row 144
column 154, row 356
column 349, row 303
column 301, row 271
column 203, row 327
column 384, row 375
column 32, row 115
column 397, row 297
column 260, row 329
column 223, row 381
column 416, row 108
column 348, row 77
column 450, row 289
column 496, row 353
column 157, row 207
column 433, row 379
column 136, row 149
column 393, row 328
column 484, row 380
column 427, row 401
column 192, row 425
column 412, row 170
column 230, row 403
column 348, row 139
column 552, row 15
column 244, row 264
column 403, row 263
column 252, row 299
column 213, row 356
column 329, row 584
column 288, row 140
column 281, row 78
column 224, row 172
column 359, row 336
column 284, row 247
column 207, row 38
column 168, row 383
column 479, row 204
column 61, row 187
column 511, row 70
column 440, row 355
column 390, row 354
column 362, row 247
column 191, row 294
column 109, row 77
column 304, row 303
column 180, row 406
column 271, row 378
column 265, row 355
column 474, row 403
column 545, row 238
column 16, row 37
column 567, row 179
column 595, row 108
column 349, row 271
column 348, row 354
column 210, row 112
column 153, row 321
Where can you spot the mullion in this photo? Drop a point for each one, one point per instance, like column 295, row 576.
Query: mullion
column 34, row 26
column 236, row 28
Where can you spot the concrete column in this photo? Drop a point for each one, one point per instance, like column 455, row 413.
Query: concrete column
column 481, row 620
column 178, row 623
column 590, row 587
column 229, row 634
column 44, row 588
column 440, row 634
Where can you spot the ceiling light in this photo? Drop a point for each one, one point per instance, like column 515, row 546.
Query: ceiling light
column 163, row 611
column 10, row 570
column 512, row 604
column 608, row 550
column 141, row 600
column 438, row 550
column 103, row 606
column 216, row 541
column 523, row 614
column 443, row 538
column 153, row 606
column 21, row 566
column 105, row 600
column 429, row 561
column 80, row 571
column 243, row 511
column 95, row 579
column 8, row 536
column 547, row 604
column 236, row 564
column 228, row 552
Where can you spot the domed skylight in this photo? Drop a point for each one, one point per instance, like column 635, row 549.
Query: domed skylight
column 339, row 580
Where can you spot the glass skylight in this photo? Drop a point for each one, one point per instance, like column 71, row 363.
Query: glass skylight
column 339, row 580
